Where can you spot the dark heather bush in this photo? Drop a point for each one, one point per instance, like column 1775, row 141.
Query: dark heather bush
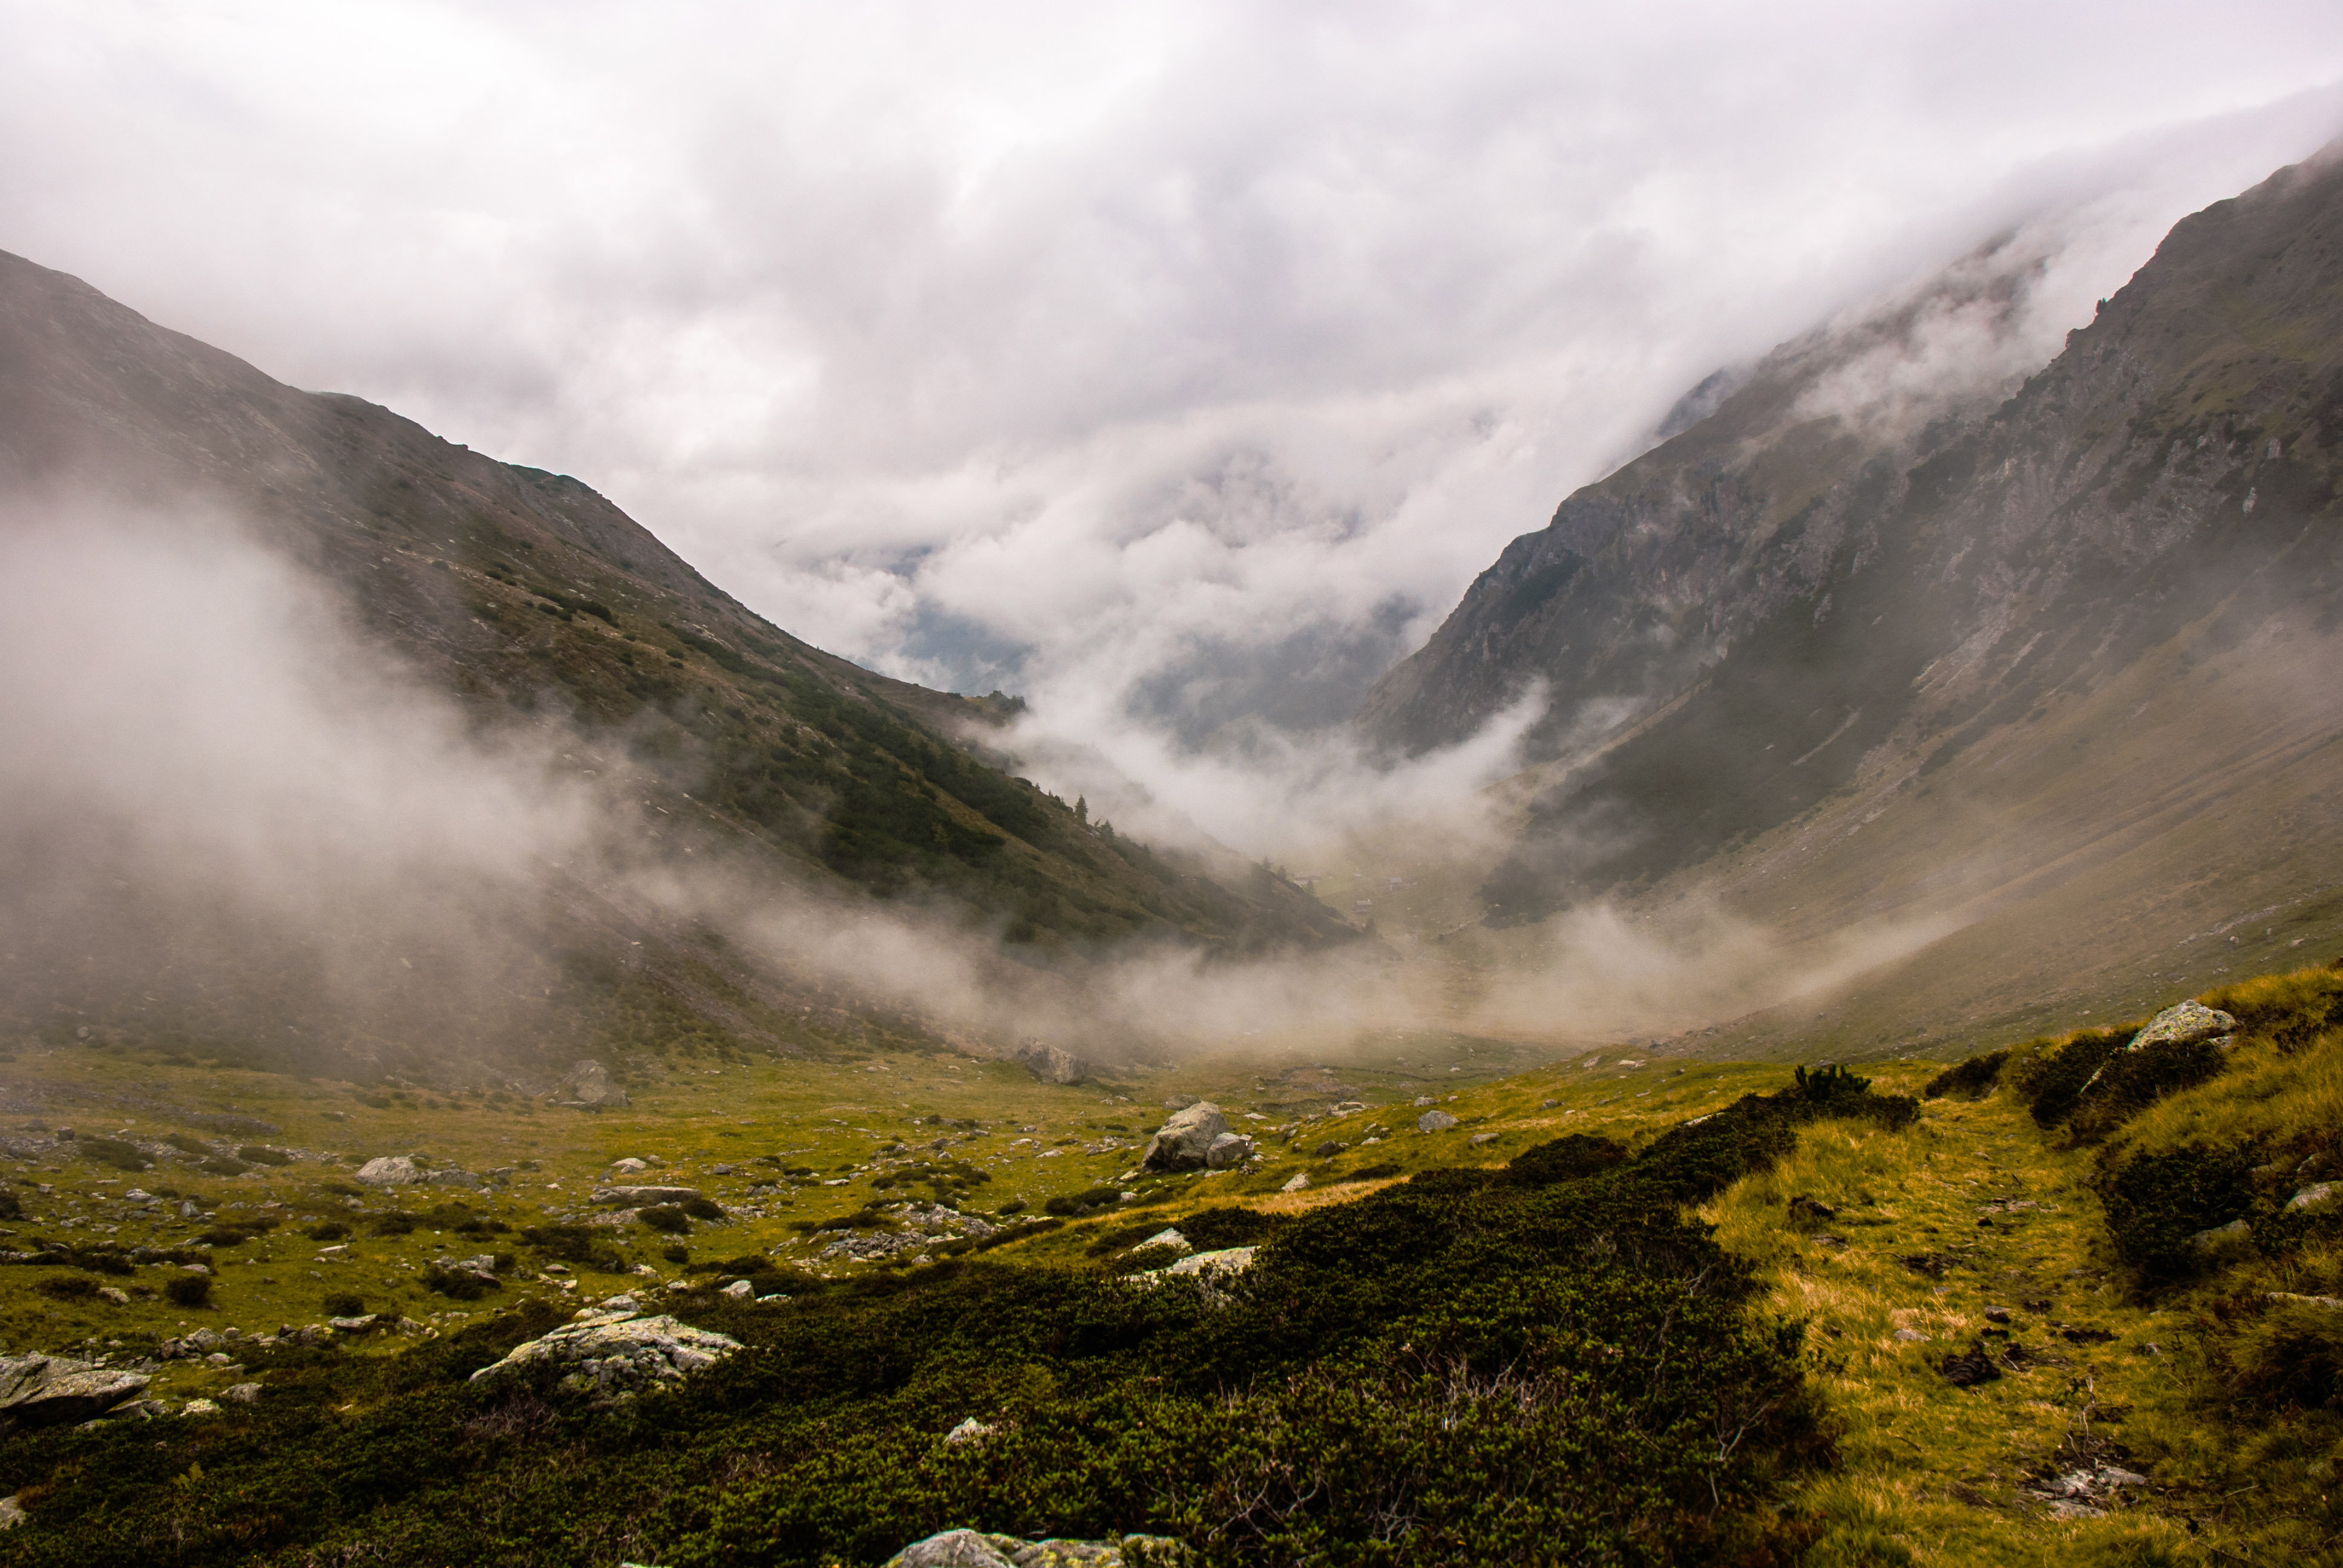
column 2155, row 1202
column 664, row 1218
column 2051, row 1081
column 1478, row 1371
column 189, row 1291
column 2132, row 1081
column 1972, row 1080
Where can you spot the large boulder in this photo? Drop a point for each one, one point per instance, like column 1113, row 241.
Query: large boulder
column 588, row 1084
column 1435, row 1122
column 969, row 1549
column 610, row 1356
column 1053, row 1063
column 389, row 1170
column 2183, row 1024
column 1184, row 1142
column 49, row 1390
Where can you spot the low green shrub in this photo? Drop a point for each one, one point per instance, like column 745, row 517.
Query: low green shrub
column 1085, row 1202
column 189, row 1291
column 664, row 1218
column 112, row 1152
column 343, row 1305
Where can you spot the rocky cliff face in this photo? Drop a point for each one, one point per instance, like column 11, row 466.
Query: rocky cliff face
column 1783, row 611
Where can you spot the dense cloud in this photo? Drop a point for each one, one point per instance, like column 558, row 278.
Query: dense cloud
column 1177, row 366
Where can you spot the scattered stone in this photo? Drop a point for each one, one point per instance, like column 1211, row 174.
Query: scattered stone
column 38, row 1391
column 2333, row 1303
column 242, row 1393
column 2184, row 1023
column 2221, row 1239
column 968, row 1431
column 1998, row 1315
column 1296, row 1182
column 1184, row 1142
column 1912, row 1336
column 610, row 1356
column 1543, row 1104
column 1328, row 1150
column 1424, row 1100
column 199, row 1407
column 588, row 1085
column 630, row 1166
column 1480, row 1138
column 362, row 1324
column 1226, row 1150
column 644, row 1197
column 451, row 1177
column 921, row 1226
column 739, row 1290
column 12, row 1513
column 1165, row 1237
column 120, row 1298
column 1813, row 1210
column 2311, row 1197
column 389, row 1170
column 1435, row 1122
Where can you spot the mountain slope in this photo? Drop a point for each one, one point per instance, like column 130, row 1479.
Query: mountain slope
column 546, row 610
column 2045, row 695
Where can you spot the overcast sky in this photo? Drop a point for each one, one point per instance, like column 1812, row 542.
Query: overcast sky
column 1175, row 364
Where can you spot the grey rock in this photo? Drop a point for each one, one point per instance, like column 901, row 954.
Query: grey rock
column 389, row 1170
column 1479, row 1137
column 1435, row 1122
column 1295, row 1183
column 1227, row 1262
column 957, row 1549
column 48, row 1391
column 199, row 1407
column 2287, row 1298
column 2183, row 1024
column 1424, row 1100
column 12, row 1513
column 1053, row 1063
column 610, row 1356
column 1230, row 1149
column 1165, row 1237
column 642, row 1197
column 452, row 1177
column 242, row 1393
column 588, row 1084
column 2310, row 1197
column 968, row 1431
column 1185, row 1140
column 739, row 1290
column 2220, row 1238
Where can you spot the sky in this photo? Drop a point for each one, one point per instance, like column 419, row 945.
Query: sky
column 1176, row 366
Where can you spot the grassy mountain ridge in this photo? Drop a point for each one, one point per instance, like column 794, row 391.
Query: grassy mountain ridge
column 547, row 612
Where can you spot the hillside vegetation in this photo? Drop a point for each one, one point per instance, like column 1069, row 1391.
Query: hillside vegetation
column 1627, row 1311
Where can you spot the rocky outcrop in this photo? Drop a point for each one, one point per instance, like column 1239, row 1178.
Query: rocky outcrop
column 1054, row 1064
column 609, row 1356
column 918, row 1226
column 48, row 1391
column 2183, row 1024
column 969, row 1549
column 588, row 1085
column 1184, row 1142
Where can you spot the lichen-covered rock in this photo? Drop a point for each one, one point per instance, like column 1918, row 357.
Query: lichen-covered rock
column 49, row 1390
column 969, row 1549
column 1185, row 1142
column 610, row 1356
column 2313, row 1196
column 389, row 1170
column 1435, row 1122
column 2183, row 1024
